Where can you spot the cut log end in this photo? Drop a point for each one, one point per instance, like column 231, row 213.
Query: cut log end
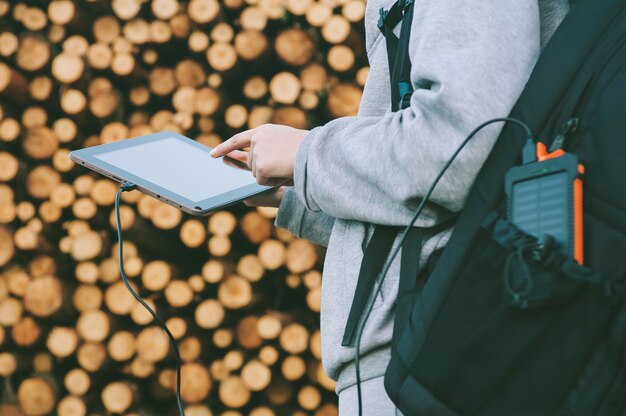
column 43, row 296
column 117, row 397
column 36, row 396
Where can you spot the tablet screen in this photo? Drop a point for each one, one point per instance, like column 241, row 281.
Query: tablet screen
column 176, row 165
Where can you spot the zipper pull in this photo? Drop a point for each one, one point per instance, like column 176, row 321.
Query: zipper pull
column 567, row 128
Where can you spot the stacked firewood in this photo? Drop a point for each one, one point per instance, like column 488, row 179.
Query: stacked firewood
column 241, row 297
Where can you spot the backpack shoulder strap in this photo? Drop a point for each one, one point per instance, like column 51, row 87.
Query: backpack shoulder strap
column 373, row 259
column 398, row 51
column 381, row 241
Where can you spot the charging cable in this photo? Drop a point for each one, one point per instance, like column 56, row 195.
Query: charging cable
column 126, row 187
column 420, row 208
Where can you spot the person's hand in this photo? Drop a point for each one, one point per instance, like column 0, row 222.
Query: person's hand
column 271, row 155
column 268, row 199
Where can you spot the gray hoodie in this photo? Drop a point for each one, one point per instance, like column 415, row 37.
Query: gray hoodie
column 470, row 62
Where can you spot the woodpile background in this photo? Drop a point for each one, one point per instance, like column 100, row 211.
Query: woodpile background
column 241, row 296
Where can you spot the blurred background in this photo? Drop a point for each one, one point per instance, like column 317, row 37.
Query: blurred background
column 241, row 296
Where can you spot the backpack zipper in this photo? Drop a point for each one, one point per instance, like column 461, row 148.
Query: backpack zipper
column 570, row 126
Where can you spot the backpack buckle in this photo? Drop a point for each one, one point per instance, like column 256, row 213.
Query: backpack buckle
column 405, row 91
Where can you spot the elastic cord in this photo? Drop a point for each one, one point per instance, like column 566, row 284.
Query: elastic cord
column 418, row 211
column 128, row 187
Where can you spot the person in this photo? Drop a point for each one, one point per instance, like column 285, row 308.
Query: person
column 470, row 62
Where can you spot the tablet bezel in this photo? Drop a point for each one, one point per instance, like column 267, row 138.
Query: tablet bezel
column 87, row 157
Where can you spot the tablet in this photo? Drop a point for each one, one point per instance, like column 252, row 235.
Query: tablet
column 174, row 169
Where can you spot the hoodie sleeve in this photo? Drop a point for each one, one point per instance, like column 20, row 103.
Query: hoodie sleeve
column 314, row 226
column 470, row 62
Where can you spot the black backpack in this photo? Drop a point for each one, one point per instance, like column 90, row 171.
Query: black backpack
column 462, row 344
column 464, row 347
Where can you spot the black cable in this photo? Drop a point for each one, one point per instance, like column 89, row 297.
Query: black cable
column 361, row 325
column 124, row 188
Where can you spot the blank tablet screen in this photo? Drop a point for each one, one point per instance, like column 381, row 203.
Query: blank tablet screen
column 179, row 166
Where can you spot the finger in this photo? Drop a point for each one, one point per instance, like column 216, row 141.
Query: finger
column 250, row 160
column 262, row 202
column 279, row 182
column 238, row 155
column 235, row 163
column 269, row 199
column 283, row 182
column 236, row 142
column 259, row 201
column 264, row 180
column 252, row 163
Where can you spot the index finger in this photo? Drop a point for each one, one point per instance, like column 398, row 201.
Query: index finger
column 238, row 141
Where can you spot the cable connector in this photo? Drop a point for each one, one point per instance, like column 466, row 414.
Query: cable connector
column 569, row 127
column 128, row 186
